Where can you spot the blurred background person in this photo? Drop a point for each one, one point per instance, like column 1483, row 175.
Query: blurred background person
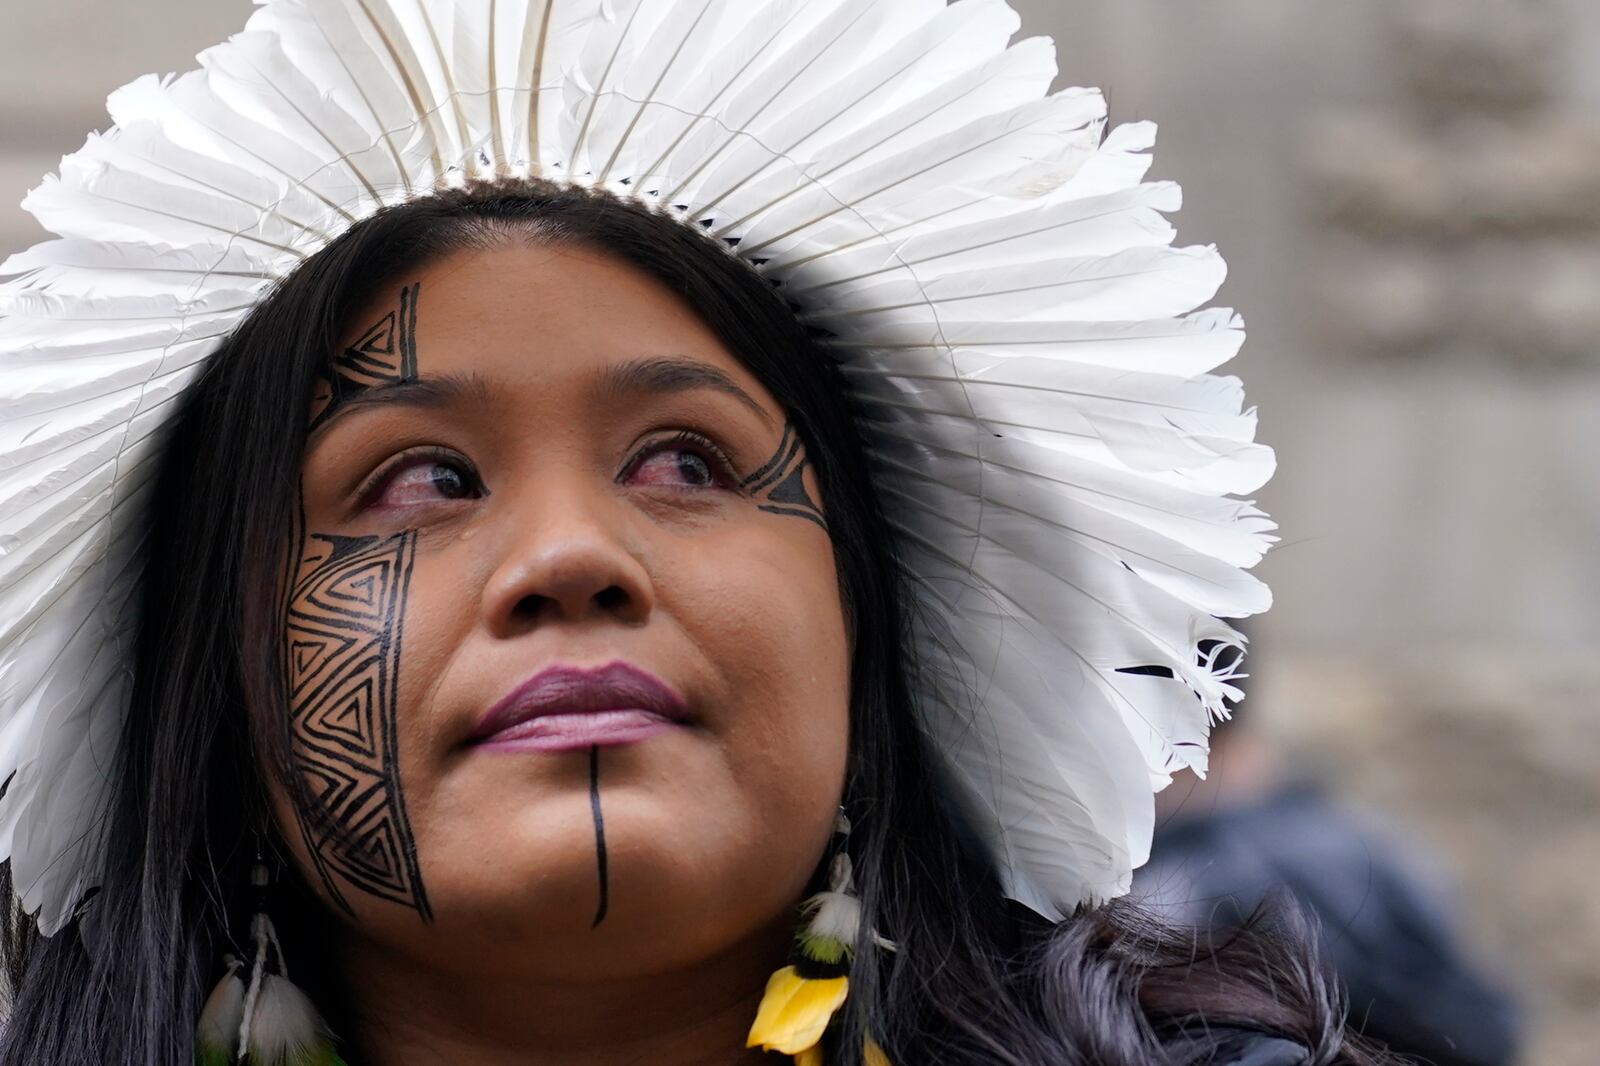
column 1258, row 826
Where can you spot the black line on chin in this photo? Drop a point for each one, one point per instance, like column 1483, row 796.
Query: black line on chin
column 599, row 831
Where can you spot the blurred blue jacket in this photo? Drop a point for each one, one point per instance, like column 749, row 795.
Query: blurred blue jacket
column 1385, row 931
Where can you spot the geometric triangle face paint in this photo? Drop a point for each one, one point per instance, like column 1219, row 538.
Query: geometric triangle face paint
column 386, row 354
column 779, row 484
column 343, row 629
column 343, row 623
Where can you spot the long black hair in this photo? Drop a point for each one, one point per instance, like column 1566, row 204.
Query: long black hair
column 974, row 980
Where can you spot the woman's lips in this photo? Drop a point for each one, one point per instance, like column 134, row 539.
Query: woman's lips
column 564, row 708
column 585, row 729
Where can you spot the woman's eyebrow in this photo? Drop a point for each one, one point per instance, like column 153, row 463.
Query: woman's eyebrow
column 660, row 375
column 431, row 393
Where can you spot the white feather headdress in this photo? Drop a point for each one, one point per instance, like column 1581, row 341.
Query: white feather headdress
column 996, row 279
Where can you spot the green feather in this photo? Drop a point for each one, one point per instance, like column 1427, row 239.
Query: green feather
column 320, row 1055
column 823, row 949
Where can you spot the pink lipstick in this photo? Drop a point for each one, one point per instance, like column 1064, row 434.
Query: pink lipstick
column 568, row 708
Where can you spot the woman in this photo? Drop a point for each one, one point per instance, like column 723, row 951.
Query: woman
column 525, row 666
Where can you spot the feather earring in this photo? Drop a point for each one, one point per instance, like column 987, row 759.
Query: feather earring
column 802, row 997
column 220, row 1020
column 269, row 1021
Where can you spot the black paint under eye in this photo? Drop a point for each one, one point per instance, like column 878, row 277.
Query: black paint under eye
column 780, row 483
column 344, row 622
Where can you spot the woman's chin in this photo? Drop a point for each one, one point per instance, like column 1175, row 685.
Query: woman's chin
column 546, row 887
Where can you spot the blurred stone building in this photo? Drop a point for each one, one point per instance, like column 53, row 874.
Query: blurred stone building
column 1408, row 193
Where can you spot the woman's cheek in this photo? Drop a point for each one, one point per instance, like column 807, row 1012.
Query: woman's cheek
column 770, row 619
column 345, row 633
column 369, row 624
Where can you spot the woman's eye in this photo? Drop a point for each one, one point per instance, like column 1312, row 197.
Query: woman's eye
column 682, row 464
column 427, row 481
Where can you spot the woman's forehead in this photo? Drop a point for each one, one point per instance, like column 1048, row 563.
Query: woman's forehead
column 518, row 295
column 549, row 320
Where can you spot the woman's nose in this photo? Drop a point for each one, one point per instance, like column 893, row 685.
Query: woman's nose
column 567, row 558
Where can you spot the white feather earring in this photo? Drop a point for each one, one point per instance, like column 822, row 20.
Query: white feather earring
column 269, row 1021
column 834, row 914
column 802, row 998
column 219, row 1024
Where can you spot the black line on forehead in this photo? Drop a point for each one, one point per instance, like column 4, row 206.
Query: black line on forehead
column 408, row 332
column 384, row 355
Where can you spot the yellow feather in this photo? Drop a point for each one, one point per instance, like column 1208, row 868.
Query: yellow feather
column 795, row 1010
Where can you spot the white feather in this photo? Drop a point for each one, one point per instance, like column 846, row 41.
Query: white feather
column 1187, row 346
column 285, row 1029
column 222, row 1014
column 834, row 916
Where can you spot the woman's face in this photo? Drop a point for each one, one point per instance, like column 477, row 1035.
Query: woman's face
column 566, row 652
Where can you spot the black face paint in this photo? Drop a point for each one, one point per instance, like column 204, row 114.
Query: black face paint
column 386, row 354
column 780, row 483
column 599, row 833
column 345, row 622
